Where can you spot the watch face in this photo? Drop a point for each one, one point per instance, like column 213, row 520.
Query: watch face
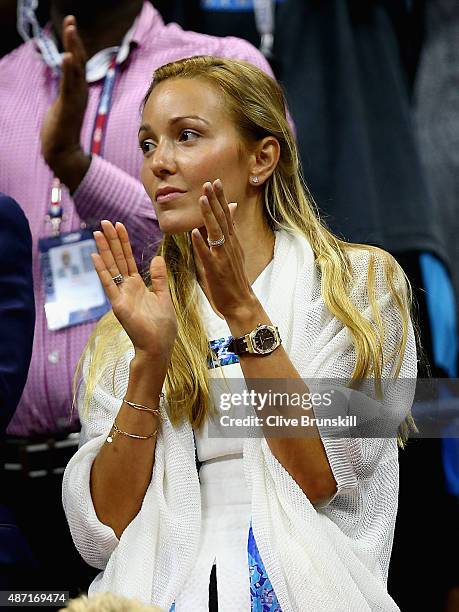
column 264, row 340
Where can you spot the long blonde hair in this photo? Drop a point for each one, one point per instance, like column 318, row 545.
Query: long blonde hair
column 257, row 106
column 107, row 602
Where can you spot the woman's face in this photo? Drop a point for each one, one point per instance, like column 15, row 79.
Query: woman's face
column 187, row 139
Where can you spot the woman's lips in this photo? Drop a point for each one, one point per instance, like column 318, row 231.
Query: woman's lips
column 169, row 196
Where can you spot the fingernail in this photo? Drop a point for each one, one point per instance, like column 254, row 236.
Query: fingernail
column 218, row 183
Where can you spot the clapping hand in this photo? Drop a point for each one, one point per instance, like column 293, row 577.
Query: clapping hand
column 223, row 266
column 148, row 317
column 60, row 134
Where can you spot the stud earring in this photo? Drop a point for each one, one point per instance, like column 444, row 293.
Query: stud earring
column 254, row 179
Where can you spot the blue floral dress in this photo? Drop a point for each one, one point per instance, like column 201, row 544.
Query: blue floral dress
column 262, row 595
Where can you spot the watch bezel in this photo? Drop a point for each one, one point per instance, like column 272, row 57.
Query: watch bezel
column 257, row 330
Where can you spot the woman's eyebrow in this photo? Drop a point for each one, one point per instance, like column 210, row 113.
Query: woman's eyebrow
column 176, row 119
column 146, row 127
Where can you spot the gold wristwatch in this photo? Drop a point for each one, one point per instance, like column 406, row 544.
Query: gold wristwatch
column 263, row 340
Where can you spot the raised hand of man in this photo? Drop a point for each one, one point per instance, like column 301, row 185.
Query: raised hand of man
column 60, row 134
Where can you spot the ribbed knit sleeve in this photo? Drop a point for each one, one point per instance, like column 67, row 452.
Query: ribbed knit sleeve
column 108, row 192
column 94, row 540
column 340, row 461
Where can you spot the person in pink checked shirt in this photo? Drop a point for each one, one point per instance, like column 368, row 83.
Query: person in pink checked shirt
column 70, row 99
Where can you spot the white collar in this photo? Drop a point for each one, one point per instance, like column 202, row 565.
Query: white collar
column 97, row 65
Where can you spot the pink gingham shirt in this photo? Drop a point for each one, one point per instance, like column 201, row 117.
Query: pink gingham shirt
column 110, row 190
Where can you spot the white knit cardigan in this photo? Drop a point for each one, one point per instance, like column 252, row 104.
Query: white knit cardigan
column 329, row 559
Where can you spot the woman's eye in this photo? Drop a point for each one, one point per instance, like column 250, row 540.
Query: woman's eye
column 188, row 135
column 147, row 146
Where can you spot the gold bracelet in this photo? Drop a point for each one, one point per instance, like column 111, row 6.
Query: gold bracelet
column 155, row 411
column 116, row 429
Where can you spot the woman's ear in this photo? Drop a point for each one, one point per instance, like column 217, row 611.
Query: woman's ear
column 264, row 160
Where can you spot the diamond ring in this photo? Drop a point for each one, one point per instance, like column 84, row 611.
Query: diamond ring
column 216, row 243
column 118, row 279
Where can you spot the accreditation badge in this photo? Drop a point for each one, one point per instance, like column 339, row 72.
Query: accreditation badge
column 73, row 292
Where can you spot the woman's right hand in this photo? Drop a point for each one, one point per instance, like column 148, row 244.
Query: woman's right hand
column 148, row 317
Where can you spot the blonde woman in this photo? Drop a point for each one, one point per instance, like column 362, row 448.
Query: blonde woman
column 284, row 523
column 106, row 602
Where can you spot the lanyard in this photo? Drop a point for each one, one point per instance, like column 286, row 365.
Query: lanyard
column 55, row 211
column 264, row 20
column 103, row 110
column 27, row 20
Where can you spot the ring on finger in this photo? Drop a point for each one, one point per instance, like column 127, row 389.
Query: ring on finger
column 118, row 279
column 216, row 243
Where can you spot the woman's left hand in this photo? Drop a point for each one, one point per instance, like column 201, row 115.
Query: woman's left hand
column 223, row 266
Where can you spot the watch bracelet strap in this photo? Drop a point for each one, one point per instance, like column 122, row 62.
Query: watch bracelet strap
column 238, row 346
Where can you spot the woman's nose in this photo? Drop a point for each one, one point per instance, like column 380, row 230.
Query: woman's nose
column 163, row 160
